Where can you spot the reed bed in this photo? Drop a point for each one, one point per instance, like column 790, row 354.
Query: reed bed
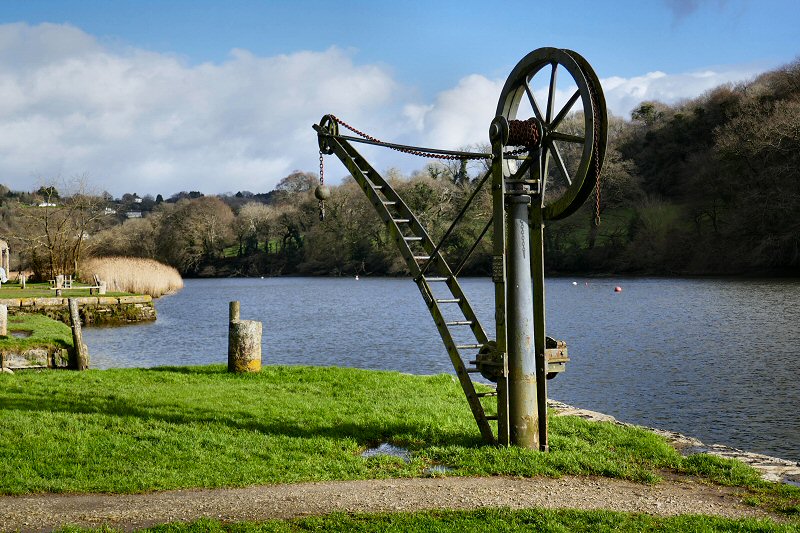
column 133, row 274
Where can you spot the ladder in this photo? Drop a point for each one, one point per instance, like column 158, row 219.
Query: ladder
column 447, row 303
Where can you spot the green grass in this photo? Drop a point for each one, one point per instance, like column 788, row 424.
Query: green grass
column 481, row 520
column 44, row 332
column 135, row 430
column 43, row 290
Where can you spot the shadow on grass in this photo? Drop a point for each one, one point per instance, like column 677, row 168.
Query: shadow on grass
column 189, row 370
column 364, row 433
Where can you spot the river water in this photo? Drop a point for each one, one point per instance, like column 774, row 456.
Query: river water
column 715, row 359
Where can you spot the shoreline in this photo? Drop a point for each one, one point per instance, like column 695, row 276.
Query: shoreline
column 771, row 468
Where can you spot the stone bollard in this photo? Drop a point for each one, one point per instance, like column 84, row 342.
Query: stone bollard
column 3, row 320
column 244, row 342
column 59, row 281
column 101, row 287
column 22, row 279
column 244, row 346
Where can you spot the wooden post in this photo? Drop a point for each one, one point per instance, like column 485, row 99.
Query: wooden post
column 244, row 346
column 3, row 320
column 80, row 359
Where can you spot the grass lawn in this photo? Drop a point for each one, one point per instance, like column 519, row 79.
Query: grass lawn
column 479, row 521
column 43, row 290
column 44, row 331
column 135, row 430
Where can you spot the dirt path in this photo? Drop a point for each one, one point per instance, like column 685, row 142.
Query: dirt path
column 48, row 511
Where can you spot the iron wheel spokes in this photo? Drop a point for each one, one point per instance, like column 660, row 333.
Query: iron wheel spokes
column 573, row 120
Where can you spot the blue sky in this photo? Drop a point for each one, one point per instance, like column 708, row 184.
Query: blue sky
column 157, row 97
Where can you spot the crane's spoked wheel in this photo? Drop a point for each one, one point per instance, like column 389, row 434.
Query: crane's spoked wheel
column 572, row 121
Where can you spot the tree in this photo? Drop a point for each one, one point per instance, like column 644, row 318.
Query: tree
column 194, row 230
column 48, row 192
column 254, row 224
column 52, row 236
column 297, row 182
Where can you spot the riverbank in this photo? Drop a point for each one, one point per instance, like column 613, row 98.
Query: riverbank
column 772, row 469
column 135, row 431
column 93, row 310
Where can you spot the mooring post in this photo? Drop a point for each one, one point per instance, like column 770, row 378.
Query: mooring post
column 244, row 342
column 523, row 411
column 3, row 320
column 80, row 359
column 244, row 346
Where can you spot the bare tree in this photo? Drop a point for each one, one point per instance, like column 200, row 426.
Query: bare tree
column 52, row 233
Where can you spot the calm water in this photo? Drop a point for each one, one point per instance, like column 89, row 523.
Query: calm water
column 716, row 359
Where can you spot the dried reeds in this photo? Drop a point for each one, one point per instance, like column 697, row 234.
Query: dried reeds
column 133, row 274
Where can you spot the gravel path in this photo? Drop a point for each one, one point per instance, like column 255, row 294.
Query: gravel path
column 672, row 497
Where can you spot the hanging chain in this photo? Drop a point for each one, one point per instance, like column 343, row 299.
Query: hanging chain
column 596, row 152
column 597, row 183
column 321, row 184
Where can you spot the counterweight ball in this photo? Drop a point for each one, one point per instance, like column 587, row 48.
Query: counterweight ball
column 322, row 193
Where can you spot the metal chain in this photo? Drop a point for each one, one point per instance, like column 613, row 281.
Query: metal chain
column 404, row 150
column 321, row 184
column 596, row 152
column 420, row 153
column 321, row 169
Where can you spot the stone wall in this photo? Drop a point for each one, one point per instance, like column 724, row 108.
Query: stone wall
column 41, row 357
column 94, row 310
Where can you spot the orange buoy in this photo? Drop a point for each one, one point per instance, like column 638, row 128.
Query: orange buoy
column 617, row 289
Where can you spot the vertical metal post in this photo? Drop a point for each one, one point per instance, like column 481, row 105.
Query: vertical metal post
column 523, row 411
column 499, row 279
column 539, row 343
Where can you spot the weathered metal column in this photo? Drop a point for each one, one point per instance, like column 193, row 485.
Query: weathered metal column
column 523, row 411
column 539, row 339
column 498, row 133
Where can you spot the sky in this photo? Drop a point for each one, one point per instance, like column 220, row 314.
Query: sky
column 157, row 97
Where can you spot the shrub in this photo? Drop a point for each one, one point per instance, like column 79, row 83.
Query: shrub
column 133, row 274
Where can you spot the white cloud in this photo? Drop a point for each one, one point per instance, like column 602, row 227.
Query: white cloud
column 138, row 121
column 147, row 122
column 460, row 116
column 624, row 94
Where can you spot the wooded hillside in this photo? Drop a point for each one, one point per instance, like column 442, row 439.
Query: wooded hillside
column 709, row 186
